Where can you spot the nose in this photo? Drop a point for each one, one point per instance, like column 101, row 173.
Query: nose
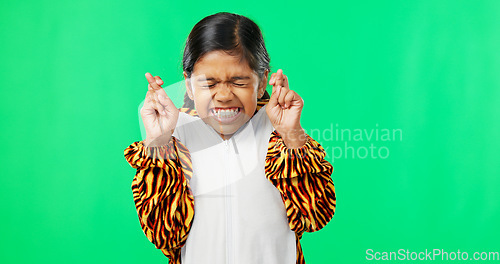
column 224, row 93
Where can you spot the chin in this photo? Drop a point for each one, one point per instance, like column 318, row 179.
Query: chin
column 226, row 130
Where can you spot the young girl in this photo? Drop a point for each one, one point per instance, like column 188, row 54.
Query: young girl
column 231, row 177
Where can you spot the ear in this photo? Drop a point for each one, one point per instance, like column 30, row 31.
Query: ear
column 262, row 85
column 189, row 88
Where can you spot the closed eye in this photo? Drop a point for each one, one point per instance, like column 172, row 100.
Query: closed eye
column 236, row 84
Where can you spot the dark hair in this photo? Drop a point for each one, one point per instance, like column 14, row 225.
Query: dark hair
column 235, row 34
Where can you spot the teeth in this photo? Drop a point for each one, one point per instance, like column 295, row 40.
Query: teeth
column 225, row 113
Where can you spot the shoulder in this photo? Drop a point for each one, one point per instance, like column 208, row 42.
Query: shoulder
column 261, row 103
column 260, row 120
column 189, row 111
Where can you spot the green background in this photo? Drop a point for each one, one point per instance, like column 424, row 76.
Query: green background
column 72, row 78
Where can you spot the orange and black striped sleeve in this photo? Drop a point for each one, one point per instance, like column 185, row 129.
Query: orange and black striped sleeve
column 162, row 195
column 303, row 177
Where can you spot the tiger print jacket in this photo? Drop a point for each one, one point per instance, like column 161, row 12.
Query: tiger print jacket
column 165, row 204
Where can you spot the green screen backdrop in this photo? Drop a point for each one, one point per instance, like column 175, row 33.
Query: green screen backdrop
column 403, row 95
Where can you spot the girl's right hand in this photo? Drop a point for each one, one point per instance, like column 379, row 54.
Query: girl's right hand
column 158, row 114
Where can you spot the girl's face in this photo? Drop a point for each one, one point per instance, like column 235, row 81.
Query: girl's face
column 224, row 91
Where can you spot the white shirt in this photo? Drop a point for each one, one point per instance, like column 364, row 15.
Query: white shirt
column 239, row 216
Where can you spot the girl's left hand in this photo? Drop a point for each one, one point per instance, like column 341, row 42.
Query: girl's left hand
column 284, row 109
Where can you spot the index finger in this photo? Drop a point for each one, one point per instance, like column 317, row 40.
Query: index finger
column 152, row 81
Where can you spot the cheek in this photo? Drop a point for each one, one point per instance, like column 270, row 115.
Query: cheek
column 201, row 102
column 249, row 100
column 252, row 91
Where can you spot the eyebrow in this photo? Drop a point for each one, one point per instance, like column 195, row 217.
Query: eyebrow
column 232, row 78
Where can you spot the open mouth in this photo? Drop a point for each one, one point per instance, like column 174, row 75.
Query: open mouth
column 226, row 115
